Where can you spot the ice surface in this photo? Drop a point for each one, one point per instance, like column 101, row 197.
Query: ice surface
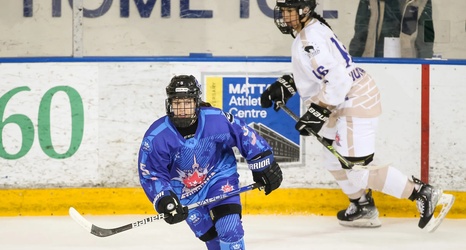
column 262, row 233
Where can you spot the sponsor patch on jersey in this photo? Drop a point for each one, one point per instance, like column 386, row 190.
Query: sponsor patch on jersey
column 229, row 117
column 312, row 49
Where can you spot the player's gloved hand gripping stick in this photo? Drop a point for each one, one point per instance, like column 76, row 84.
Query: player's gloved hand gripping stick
column 348, row 164
column 171, row 207
column 104, row 232
column 279, row 92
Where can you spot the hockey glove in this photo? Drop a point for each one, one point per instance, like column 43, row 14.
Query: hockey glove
column 170, row 206
column 313, row 119
column 279, row 91
column 266, row 171
column 271, row 177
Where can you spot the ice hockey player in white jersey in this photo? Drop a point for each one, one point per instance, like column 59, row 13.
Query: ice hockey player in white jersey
column 343, row 106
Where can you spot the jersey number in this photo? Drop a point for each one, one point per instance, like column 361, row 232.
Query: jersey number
column 320, row 72
column 343, row 52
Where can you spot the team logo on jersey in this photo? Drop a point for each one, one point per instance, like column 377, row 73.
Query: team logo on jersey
column 146, row 145
column 195, row 217
column 193, row 177
column 236, row 246
column 337, row 139
column 312, row 50
column 309, row 49
column 227, row 188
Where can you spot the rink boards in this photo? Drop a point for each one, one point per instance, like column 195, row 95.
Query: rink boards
column 284, row 201
column 71, row 131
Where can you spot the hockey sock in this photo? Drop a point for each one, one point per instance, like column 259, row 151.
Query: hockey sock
column 213, row 244
column 238, row 245
column 363, row 198
column 230, row 228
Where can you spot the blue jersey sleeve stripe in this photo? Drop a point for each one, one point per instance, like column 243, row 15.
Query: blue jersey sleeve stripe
column 159, row 129
column 211, row 111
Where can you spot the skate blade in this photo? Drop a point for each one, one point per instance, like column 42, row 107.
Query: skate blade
column 362, row 223
column 446, row 201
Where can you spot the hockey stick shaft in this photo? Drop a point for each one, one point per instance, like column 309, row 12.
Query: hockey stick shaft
column 348, row 164
column 104, row 232
column 319, row 138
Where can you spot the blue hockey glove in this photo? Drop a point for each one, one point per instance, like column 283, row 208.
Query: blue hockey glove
column 279, row 91
column 313, row 119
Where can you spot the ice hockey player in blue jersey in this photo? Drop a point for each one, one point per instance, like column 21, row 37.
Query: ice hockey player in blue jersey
column 187, row 156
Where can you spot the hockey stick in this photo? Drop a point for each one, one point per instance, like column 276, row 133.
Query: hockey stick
column 104, row 232
column 348, row 164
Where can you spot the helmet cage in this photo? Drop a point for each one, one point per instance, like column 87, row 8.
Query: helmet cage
column 183, row 87
column 303, row 7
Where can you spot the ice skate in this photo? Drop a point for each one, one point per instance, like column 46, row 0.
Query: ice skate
column 427, row 199
column 360, row 214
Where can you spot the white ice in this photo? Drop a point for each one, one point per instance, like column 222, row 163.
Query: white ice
column 261, row 233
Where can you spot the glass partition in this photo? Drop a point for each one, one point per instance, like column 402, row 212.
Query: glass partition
column 369, row 28
column 401, row 28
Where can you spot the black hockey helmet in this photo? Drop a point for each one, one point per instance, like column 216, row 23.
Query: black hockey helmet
column 303, row 7
column 183, row 87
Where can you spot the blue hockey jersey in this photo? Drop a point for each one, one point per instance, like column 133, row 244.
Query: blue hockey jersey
column 188, row 167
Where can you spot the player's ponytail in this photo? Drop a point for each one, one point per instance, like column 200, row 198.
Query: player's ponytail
column 204, row 104
column 321, row 19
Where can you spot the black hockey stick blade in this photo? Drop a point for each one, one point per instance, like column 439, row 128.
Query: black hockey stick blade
column 104, row 232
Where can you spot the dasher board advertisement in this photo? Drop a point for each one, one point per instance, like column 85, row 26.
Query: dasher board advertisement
column 240, row 96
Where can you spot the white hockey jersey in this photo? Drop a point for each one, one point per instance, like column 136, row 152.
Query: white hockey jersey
column 324, row 71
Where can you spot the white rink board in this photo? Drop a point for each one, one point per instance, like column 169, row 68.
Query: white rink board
column 121, row 100
column 448, row 140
